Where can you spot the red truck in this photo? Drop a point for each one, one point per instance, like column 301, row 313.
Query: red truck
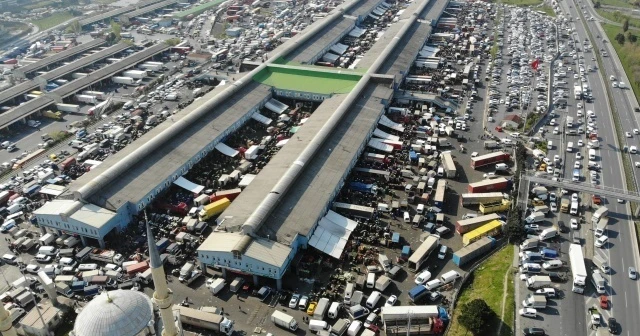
column 230, row 194
column 137, row 268
column 487, row 159
column 489, row 185
column 68, row 162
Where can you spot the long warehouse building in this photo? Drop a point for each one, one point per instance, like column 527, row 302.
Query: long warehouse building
column 124, row 18
column 116, row 12
column 27, row 70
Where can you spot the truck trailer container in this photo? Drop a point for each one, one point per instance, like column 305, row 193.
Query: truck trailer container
column 465, row 225
column 230, row 194
column 135, row 74
column 578, row 268
column 491, row 207
column 87, row 99
column 490, row 229
column 283, row 320
column 489, row 185
column 473, row 199
column 487, row 159
column 449, row 165
column 473, row 250
column 123, row 80
column 213, row 209
column 71, row 108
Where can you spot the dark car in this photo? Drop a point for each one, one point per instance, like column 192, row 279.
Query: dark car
column 613, row 326
column 563, row 228
column 534, row 332
column 557, row 277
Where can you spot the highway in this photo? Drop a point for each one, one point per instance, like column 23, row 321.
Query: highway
column 622, row 250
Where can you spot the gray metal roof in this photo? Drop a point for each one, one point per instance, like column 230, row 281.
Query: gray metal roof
column 85, row 61
column 401, row 58
column 364, row 7
column 110, row 70
column 24, row 110
column 116, row 12
column 19, row 89
column 240, row 209
column 149, row 9
column 60, row 56
column 305, row 203
column 312, row 47
column 154, row 169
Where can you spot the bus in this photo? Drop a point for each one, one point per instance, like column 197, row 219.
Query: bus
column 422, row 253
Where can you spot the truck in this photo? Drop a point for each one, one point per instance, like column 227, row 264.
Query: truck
column 577, row 92
column 541, row 208
column 202, row 319
column 64, row 289
column 47, row 239
column 57, row 115
column 473, row 250
column 71, row 108
column 283, row 320
column 564, row 204
column 596, row 318
column 213, row 209
column 321, row 308
column 340, row 327
column 68, row 162
column 489, row 185
column 578, row 268
column 487, row 159
column 150, row 67
column 538, row 281
column 78, row 75
column 382, row 283
column 102, row 255
column 599, row 282
column 492, row 207
column 548, row 233
column 123, row 80
column 548, row 253
column 25, row 299
column 473, row 199
column 236, row 284
column 98, row 94
column 449, row 165
column 601, row 264
column 217, row 285
column 569, row 121
column 171, row 96
column 135, row 74
column 490, row 144
column 418, row 292
column 535, row 301
column 531, row 257
column 535, row 217
column 86, row 99
column 598, row 214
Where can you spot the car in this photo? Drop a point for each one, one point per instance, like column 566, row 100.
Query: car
column 10, row 259
column 563, row 228
column 311, row 308
column 627, row 134
column 422, row 277
column 548, row 292
column 42, row 258
column 533, row 227
column 528, row 312
column 574, row 197
column 595, row 199
column 33, row 269
column 574, row 224
column 604, row 302
column 633, row 274
column 552, row 197
column 391, row 301
column 602, row 241
column 435, row 295
column 534, row 332
column 578, row 156
column 613, row 325
column 293, row 303
column 554, row 206
column 636, row 131
column 621, row 201
column 577, row 165
column 303, row 302
column 580, row 143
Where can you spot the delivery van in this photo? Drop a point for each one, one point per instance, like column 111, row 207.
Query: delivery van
column 348, row 291
column 406, row 217
column 333, row 310
column 318, row 325
column 373, row 299
column 371, row 280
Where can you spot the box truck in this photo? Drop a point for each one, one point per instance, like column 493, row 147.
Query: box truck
column 71, row 108
column 284, row 320
column 123, row 80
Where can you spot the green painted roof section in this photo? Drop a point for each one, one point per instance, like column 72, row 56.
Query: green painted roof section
column 304, row 79
column 197, row 9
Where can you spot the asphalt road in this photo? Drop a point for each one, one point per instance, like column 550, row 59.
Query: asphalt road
column 624, row 294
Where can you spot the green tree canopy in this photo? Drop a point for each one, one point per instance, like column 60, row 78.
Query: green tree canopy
column 475, row 315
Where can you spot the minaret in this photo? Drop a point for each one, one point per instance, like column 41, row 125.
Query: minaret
column 163, row 296
column 6, row 325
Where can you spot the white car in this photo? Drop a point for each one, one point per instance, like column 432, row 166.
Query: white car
column 580, row 143
column 33, row 269
column 293, row 303
column 574, row 197
column 637, row 164
column 627, row 134
column 578, row 156
column 577, row 165
column 552, row 197
column 602, row 241
column 302, row 305
column 528, row 312
column 574, row 224
column 533, row 227
column 422, row 277
column 633, row 149
column 556, row 130
column 554, row 207
column 636, row 131
column 391, row 301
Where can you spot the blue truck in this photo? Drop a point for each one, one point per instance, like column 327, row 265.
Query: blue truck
column 162, row 244
column 91, row 290
column 548, row 253
column 78, row 286
column 418, row 292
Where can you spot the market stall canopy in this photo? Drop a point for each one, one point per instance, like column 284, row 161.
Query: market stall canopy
column 379, row 145
column 384, row 121
column 332, row 234
column 384, row 135
column 262, row 119
column 186, row 184
column 226, row 150
column 276, row 106
column 357, row 32
column 339, row 48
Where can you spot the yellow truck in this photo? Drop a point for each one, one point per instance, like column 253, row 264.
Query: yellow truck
column 487, row 208
column 53, row 115
column 564, row 204
column 213, row 209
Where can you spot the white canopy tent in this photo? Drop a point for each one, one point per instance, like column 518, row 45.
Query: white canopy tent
column 246, row 180
column 332, row 234
column 276, row 106
column 226, row 150
column 384, row 121
column 186, row 184
column 379, row 145
column 262, row 119
column 384, row 135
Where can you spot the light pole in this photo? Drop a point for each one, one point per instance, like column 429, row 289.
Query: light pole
column 33, row 297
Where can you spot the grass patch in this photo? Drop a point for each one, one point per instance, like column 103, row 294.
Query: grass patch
column 53, row 20
column 548, row 10
column 629, row 54
column 619, row 17
column 616, row 3
column 487, row 285
column 521, row 2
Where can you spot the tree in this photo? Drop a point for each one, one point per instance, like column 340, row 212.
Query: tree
column 596, row 4
column 116, row 29
column 172, row 41
column 631, row 38
column 625, row 25
column 74, row 27
column 475, row 316
column 620, row 38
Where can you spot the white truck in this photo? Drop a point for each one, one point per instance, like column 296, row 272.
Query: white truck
column 535, row 301
column 538, row 281
column 601, row 264
column 217, row 285
column 123, row 80
column 535, row 217
column 135, row 74
column 321, row 308
column 548, row 233
column 578, row 268
column 598, row 214
column 72, row 108
column 284, row 320
column 382, row 283
column 599, row 282
column 86, row 99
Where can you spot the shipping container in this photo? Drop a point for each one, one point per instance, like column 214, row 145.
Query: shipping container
column 230, row 194
column 474, row 199
column 473, row 250
column 489, row 185
column 465, row 225
column 487, row 159
column 490, row 229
